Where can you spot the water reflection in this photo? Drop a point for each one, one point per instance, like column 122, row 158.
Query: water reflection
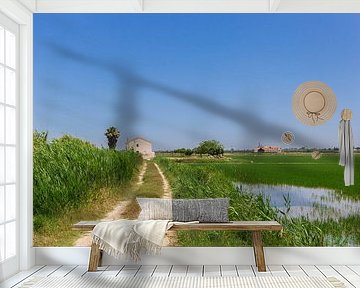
column 315, row 203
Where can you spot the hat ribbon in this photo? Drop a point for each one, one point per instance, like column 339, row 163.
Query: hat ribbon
column 315, row 116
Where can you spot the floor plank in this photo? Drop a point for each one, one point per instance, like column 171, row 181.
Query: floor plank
column 79, row 271
column 328, row 271
column 277, row 270
column 311, row 271
column 294, row 271
column 62, row 271
column 178, row 270
column 348, row 274
column 261, row 274
column 129, row 271
column 212, row 270
column 20, row 277
column 112, row 270
column 97, row 273
column 46, row 271
column 229, row 270
column 245, row 271
column 146, row 271
column 355, row 268
column 195, row 271
column 162, row 271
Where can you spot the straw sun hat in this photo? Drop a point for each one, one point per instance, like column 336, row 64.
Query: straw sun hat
column 314, row 103
column 287, row 137
column 316, row 155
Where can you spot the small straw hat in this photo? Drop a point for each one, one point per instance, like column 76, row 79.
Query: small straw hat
column 314, row 103
column 287, row 137
column 316, row 155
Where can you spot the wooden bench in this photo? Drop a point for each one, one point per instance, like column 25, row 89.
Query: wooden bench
column 256, row 227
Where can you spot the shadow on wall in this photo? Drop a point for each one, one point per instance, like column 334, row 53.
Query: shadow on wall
column 130, row 83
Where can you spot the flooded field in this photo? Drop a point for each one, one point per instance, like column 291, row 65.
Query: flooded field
column 315, row 203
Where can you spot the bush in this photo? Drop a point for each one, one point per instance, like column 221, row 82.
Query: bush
column 185, row 151
column 210, row 147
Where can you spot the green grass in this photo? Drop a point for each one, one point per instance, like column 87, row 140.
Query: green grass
column 74, row 181
column 150, row 188
column 211, row 180
column 69, row 172
column 297, row 169
column 56, row 230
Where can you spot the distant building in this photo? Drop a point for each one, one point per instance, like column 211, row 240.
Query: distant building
column 141, row 145
column 267, row 149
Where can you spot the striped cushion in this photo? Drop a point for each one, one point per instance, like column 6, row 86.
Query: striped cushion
column 202, row 210
column 211, row 210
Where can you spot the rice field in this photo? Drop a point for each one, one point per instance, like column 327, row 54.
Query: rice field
column 298, row 169
column 194, row 177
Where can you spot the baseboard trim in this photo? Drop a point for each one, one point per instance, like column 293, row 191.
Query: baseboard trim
column 209, row 256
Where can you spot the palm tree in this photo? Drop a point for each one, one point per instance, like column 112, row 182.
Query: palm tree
column 112, row 135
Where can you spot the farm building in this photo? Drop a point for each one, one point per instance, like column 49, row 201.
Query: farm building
column 267, row 149
column 141, row 145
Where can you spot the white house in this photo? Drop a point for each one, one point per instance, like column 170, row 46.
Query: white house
column 141, row 145
column 267, row 149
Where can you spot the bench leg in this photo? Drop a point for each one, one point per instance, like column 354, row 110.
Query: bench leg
column 95, row 257
column 258, row 251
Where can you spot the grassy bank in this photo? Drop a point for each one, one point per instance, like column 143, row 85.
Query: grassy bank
column 55, row 231
column 72, row 176
column 206, row 180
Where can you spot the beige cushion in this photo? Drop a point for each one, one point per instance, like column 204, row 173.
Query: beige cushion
column 155, row 209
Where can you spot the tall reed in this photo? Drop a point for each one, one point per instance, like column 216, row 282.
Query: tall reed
column 69, row 171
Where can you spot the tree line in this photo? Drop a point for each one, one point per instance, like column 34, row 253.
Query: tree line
column 207, row 147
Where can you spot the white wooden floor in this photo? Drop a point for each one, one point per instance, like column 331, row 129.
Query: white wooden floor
column 350, row 275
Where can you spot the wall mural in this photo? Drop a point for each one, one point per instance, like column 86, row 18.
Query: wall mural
column 257, row 108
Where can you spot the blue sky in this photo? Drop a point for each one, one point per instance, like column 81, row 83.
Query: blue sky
column 178, row 79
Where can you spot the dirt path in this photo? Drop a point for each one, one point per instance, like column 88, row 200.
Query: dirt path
column 170, row 238
column 142, row 173
column 117, row 213
column 121, row 209
column 166, row 185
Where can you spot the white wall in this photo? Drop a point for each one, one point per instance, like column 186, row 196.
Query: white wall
column 212, row 6
column 23, row 16
column 211, row 256
column 20, row 11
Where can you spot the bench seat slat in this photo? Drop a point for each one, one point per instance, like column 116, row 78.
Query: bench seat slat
column 230, row 226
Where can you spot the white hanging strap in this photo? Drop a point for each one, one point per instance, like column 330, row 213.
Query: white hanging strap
column 346, row 148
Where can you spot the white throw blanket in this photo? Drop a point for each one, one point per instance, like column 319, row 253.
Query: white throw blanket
column 130, row 237
column 346, row 149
